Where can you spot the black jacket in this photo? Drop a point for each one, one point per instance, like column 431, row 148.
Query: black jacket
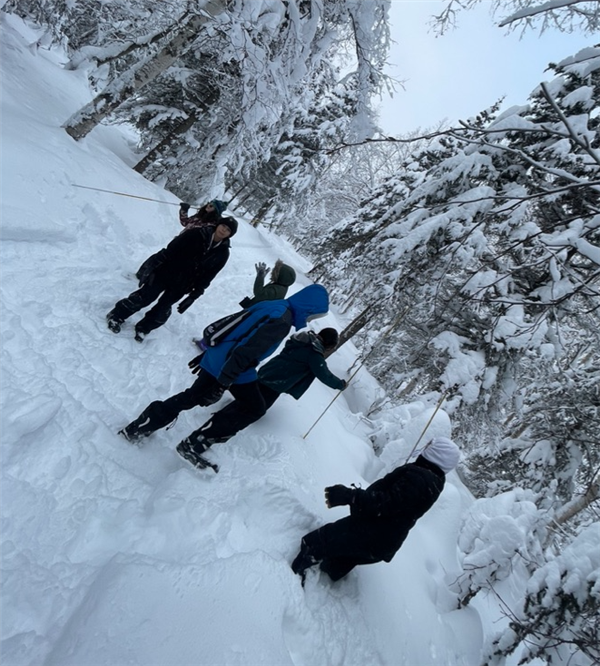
column 295, row 368
column 391, row 506
column 191, row 261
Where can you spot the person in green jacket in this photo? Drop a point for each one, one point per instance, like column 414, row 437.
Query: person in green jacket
column 282, row 277
column 292, row 371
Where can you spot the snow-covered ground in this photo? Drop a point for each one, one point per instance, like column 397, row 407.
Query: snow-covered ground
column 117, row 555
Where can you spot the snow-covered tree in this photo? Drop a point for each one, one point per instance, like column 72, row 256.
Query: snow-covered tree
column 484, row 250
column 562, row 15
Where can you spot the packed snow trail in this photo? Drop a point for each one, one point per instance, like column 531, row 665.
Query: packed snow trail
column 114, row 554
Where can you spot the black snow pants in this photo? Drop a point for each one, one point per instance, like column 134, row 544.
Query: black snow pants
column 144, row 296
column 160, row 413
column 342, row 545
column 252, row 400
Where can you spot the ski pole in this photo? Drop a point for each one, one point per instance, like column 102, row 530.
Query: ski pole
column 389, row 330
column 435, row 411
column 124, row 194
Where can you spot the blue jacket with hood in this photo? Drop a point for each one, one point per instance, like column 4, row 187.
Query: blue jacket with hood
column 234, row 360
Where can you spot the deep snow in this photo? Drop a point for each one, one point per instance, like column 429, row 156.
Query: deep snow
column 117, row 555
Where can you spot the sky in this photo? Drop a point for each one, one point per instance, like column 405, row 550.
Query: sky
column 117, row 555
column 457, row 75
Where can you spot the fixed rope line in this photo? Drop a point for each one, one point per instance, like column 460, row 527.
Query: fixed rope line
column 435, row 411
column 124, row 194
column 390, row 328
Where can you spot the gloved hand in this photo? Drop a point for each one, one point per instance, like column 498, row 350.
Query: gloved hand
column 344, row 385
column 184, row 207
column 194, row 364
column 338, row 496
column 261, row 269
column 214, row 394
column 185, row 304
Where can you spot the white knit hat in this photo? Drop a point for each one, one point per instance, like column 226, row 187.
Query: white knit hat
column 442, row 452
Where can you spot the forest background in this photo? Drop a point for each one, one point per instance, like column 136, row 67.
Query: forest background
column 466, row 257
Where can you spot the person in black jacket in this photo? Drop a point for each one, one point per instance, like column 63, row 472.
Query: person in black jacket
column 381, row 516
column 292, row 371
column 207, row 216
column 188, row 265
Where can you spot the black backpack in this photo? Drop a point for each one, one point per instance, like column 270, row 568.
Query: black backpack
column 214, row 333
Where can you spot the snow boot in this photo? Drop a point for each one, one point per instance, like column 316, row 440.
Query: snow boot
column 113, row 323
column 145, row 424
column 132, row 434
column 139, row 335
column 303, row 561
column 191, row 450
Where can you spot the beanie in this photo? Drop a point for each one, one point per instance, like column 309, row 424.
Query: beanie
column 329, row 337
column 230, row 223
column 442, row 452
column 220, row 206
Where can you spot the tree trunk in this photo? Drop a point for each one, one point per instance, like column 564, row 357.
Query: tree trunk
column 119, row 90
column 573, row 508
column 356, row 325
column 150, row 157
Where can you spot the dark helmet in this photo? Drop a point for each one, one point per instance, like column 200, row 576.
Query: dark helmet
column 329, row 338
column 231, row 223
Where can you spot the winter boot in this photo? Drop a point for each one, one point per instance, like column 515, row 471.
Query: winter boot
column 139, row 335
column 190, row 449
column 304, row 560
column 114, row 324
column 145, row 424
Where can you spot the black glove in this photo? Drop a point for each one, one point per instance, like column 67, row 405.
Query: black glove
column 194, row 364
column 261, row 269
column 184, row 207
column 214, row 394
column 185, row 304
column 338, row 496
column 344, row 385
column 246, row 302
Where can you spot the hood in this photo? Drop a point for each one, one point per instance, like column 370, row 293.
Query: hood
column 308, row 302
column 442, row 452
column 283, row 274
column 307, row 337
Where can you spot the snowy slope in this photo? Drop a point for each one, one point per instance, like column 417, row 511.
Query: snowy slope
column 117, row 555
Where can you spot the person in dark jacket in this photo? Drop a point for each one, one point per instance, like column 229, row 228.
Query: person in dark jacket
column 231, row 365
column 282, row 277
column 189, row 264
column 207, row 216
column 292, row 371
column 381, row 516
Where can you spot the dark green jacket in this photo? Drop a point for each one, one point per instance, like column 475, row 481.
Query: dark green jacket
column 295, row 368
column 274, row 290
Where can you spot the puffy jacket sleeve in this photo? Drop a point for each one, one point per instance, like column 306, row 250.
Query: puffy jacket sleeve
column 251, row 351
column 404, row 491
column 189, row 220
column 259, row 284
column 318, row 367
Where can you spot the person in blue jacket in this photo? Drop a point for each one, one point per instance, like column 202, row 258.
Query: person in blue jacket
column 231, row 365
column 292, row 371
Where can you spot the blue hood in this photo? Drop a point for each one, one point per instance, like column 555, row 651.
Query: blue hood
column 312, row 300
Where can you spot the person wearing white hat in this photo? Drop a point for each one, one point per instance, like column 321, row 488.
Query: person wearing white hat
column 381, row 515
